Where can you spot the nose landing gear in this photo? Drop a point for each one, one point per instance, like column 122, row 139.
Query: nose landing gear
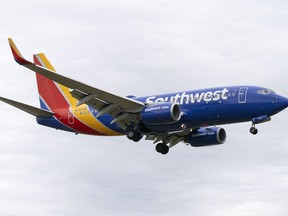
column 258, row 120
column 253, row 130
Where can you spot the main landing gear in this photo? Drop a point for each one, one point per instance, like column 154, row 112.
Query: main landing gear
column 253, row 130
column 162, row 148
column 134, row 135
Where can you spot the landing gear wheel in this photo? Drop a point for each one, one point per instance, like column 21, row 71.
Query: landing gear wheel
column 138, row 137
column 134, row 135
column 253, row 130
column 162, row 148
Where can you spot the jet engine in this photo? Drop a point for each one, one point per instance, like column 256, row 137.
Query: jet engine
column 206, row 137
column 161, row 113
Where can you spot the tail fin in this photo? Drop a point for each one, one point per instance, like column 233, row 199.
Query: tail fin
column 53, row 96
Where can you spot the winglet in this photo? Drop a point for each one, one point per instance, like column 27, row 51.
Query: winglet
column 17, row 55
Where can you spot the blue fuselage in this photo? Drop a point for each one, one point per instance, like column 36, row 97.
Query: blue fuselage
column 215, row 106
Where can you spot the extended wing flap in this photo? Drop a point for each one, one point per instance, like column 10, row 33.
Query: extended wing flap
column 92, row 102
column 27, row 108
column 105, row 108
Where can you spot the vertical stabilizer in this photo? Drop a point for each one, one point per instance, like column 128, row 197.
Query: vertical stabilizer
column 53, row 96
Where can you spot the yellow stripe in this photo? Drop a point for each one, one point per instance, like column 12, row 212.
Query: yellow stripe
column 64, row 89
column 82, row 112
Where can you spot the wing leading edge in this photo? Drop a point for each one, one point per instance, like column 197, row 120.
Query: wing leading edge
column 123, row 110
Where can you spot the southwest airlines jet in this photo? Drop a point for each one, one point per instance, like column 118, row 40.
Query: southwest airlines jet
column 187, row 116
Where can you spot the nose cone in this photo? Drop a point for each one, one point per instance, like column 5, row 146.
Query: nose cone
column 282, row 102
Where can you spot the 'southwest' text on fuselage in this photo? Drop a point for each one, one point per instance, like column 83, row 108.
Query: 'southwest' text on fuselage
column 186, row 98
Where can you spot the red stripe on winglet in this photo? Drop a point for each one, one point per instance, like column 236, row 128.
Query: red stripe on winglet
column 18, row 58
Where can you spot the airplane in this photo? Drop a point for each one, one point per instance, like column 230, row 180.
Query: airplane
column 192, row 117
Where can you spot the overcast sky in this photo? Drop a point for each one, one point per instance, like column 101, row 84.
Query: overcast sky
column 142, row 48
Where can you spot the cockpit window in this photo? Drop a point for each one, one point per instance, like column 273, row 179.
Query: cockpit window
column 265, row 91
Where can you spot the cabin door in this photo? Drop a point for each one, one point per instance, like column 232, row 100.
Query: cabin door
column 242, row 94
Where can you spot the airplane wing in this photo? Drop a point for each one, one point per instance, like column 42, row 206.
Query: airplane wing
column 122, row 109
column 29, row 109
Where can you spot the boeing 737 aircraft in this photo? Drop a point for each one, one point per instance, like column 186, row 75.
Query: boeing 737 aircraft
column 188, row 116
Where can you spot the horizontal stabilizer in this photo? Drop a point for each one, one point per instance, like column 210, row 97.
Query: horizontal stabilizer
column 29, row 109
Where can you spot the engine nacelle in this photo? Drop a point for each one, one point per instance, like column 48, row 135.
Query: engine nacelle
column 161, row 113
column 206, row 137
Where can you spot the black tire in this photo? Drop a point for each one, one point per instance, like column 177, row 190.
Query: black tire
column 253, row 130
column 159, row 147
column 162, row 148
column 134, row 135
column 131, row 134
column 138, row 137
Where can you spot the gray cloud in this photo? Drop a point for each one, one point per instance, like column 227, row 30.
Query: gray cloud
column 140, row 48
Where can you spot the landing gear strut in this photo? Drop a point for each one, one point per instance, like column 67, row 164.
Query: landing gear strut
column 258, row 120
column 253, row 130
column 134, row 135
column 162, row 148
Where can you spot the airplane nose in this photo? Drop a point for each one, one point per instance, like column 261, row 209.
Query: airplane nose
column 282, row 102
